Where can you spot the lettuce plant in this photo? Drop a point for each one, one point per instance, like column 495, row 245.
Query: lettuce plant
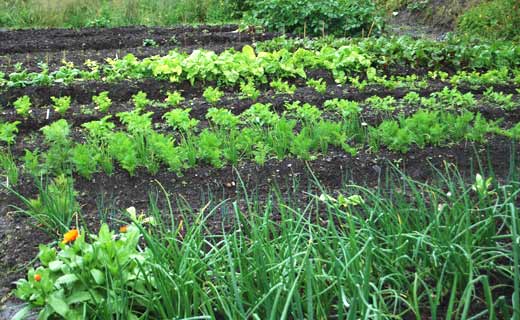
column 61, row 105
column 22, row 106
column 212, row 95
column 319, row 85
column 102, row 101
column 173, row 99
column 140, row 100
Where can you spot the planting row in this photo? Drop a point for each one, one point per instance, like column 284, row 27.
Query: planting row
column 495, row 104
column 356, row 253
column 230, row 67
column 257, row 134
column 452, row 54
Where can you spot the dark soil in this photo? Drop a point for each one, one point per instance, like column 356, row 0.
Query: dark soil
column 53, row 46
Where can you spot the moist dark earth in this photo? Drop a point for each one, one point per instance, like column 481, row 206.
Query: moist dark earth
column 197, row 186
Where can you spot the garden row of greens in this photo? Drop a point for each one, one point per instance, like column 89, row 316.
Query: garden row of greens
column 232, row 67
column 257, row 134
column 441, row 250
column 447, row 98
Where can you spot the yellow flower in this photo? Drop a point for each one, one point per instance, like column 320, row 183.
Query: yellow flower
column 70, row 236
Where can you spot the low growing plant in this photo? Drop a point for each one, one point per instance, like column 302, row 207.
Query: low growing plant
column 173, row 99
column 22, row 106
column 62, row 104
column 102, row 101
column 212, row 95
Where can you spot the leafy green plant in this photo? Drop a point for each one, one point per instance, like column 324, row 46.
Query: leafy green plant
column 212, row 95
column 8, row 131
column 453, row 98
column 412, row 98
column 85, row 159
column 179, row 119
column 222, row 118
column 338, row 17
column 173, row 99
column 62, row 287
column 56, row 136
column 22, row 106
column 346, row 108
column 62, row 104
column 102, row 101
column 248, row 90
column 150, row 43
column 319, row 85
column 260, row 114
column 283, row 87
column 387, row 103
column 502, row 100
column 140, row 100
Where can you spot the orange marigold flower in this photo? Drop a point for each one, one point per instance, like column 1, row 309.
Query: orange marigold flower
column 123, row 229
column 70, row 236
column 37, row 277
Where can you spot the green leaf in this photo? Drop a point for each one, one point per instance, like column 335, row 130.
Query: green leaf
column 66, row 279
column 78, row 296
column 56, row 265
column 99, row 276
column 249, row 52
column 58, row 304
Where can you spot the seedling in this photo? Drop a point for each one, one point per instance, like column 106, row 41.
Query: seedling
column 502, row 100
column 173, row 99
column 140, row 100
column 283, row 87
column 248, row 90
column 212, row 95
column 150, row 43
column 22, row 106
column 102, row 101
column 384, row 104
column 61, row 105
column 412, row 98
column 319, row 85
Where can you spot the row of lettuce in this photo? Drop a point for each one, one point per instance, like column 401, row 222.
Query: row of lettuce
column 343, row 58
column 303, row 131
column 447, row 98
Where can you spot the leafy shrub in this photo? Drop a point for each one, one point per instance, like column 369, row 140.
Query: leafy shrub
column 317, row 17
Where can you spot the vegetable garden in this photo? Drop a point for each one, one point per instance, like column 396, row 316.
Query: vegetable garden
column 199, row 172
